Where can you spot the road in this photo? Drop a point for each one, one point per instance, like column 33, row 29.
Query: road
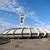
column 27, row 44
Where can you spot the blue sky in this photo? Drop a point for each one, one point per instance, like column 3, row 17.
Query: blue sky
column 37, row 12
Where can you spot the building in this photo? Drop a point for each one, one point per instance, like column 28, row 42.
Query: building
column 22, row 31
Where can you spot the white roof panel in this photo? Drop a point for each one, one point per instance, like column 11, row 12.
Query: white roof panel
column 5, row 32
column 11, row 31
column 41, row 31
column 26, row 31
column 34, row 30
column 18, row 31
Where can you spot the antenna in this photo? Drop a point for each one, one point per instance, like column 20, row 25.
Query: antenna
column 21, row 14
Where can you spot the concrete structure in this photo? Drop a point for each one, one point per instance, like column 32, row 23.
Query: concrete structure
column 42, row 33
column 26, row 32
column 47, row 32
column 34, row 32
column 22, row 31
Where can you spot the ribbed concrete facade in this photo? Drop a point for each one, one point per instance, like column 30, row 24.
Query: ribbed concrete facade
column 24, row 32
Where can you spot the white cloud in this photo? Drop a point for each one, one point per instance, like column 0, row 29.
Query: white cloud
column 7, row 5
column 5, row 25
column 13, row 6
column 20, row 10
column 36, row 19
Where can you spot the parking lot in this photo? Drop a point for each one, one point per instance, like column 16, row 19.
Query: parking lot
column 27, row 44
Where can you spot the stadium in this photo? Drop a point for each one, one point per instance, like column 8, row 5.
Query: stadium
column 22, row 31
column 24, row 24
